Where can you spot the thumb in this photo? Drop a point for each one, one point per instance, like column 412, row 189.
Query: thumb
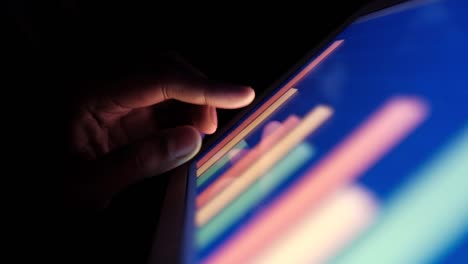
column 155, row 155
column 165, row 151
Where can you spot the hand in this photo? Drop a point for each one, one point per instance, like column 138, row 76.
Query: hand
column 143, row 127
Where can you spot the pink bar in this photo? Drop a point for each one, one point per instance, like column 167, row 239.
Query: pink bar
column 321, row 234
column 283, row 90
column 361, row 150
column 247, row 160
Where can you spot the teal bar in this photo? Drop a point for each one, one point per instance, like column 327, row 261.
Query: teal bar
column 218, row 165
column 254, row 194
column 425, row 218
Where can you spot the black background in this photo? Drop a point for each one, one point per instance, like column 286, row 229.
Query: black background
column 253, row 43
column 53, row 46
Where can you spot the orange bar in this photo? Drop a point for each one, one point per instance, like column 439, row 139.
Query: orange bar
column 321, row 234
column 313, row 120
column 247, row 160
column 270, row 101
column 239, row 137
column 361, row 150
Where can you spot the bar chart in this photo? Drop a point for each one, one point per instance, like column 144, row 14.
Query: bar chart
column 356, row 158
column 254, row 194
column 216, row 200
column 319, row 173
column 377, row 135
column 235, row 188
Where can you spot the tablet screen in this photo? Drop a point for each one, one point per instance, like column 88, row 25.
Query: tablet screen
column 360, row 157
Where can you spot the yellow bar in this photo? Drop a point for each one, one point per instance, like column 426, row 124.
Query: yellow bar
column 311, row 122
column 319, row 236
column 270, row 110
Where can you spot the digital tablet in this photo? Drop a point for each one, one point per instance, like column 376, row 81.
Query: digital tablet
column 358, row 155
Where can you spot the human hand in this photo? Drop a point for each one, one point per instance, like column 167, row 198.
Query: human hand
column 143, row 127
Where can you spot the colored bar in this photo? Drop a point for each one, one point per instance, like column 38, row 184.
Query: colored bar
column 219, row 165
column 270, row 127
column 270, row 101
column 317, row 237
column 359, row 151
column 254, row 195
column 247, row 160
column 426, row 217
column 313, row 120
column 242, row 134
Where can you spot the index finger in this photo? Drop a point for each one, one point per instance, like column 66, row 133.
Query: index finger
column 194, row 90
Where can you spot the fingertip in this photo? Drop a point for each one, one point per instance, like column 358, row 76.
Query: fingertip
column 205, row 119
column 209, row 131
column 231, row 96
column 249, row 94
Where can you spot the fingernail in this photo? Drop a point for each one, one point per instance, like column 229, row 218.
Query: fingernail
column 183, row 142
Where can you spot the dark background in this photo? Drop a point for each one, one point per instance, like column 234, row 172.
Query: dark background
column 54, row 46
column 64, row 42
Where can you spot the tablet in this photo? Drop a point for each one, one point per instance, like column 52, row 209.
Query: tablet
column 359, row 155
